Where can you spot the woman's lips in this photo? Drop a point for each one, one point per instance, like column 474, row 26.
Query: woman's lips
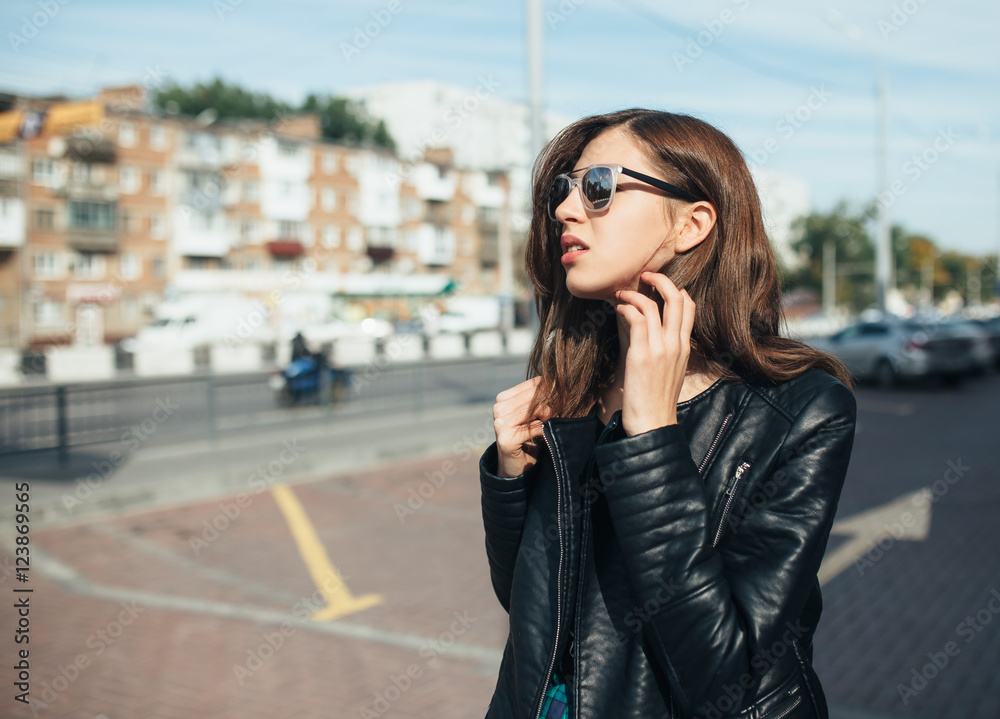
column 571, row 255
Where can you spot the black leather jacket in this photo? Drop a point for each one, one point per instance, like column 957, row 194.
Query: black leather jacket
column 685, row 558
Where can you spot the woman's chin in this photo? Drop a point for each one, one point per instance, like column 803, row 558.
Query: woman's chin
column 583, row 291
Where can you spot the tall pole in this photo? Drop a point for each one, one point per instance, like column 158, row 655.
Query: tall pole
column 505, row 251
column 996, row 277
column 829, row 277
column 533, row 9
column 883, row 247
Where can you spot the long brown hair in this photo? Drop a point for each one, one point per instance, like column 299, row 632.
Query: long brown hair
column 731, row 275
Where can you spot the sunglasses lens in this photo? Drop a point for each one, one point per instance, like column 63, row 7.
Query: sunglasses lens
column 558, row 193
column 597, row 186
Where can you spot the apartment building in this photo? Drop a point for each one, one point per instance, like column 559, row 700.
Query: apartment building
column 101, row 220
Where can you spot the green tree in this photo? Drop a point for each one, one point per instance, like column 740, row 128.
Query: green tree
column 855, row 254
column 339, row 117
column 228, row 101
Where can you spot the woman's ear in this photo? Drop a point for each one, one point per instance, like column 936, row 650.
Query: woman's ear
column 696, row 221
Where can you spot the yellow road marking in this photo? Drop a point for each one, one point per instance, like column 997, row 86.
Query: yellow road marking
column 339, row 600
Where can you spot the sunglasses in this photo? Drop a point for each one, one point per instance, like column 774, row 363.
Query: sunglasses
column 598, row 184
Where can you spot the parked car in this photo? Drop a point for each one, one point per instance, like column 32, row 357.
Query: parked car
column 887, row 350
column 992, row 327
column 983, row 348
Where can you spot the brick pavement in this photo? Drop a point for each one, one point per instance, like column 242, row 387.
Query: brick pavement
column 198, row 614
column 169, row 662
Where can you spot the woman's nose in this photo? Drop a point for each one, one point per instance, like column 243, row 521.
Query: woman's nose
column 572, row 206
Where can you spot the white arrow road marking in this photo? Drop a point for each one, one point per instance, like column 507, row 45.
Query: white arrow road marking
column 907, row 517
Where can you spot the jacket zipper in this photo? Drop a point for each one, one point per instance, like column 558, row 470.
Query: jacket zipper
column 552, row 662
column 714, row 442
column 788, row 709
column 730, row 495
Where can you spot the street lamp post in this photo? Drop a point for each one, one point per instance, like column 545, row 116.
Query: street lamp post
column 884, row 274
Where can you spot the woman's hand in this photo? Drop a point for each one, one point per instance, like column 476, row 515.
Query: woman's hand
column 657, row 355
column 518, row 435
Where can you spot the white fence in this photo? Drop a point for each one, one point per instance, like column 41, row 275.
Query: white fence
column 80, row 363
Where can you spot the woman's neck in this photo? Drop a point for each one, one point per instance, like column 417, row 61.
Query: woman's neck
column 697, row 378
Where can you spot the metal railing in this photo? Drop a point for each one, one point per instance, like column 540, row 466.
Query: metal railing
column 177, row 408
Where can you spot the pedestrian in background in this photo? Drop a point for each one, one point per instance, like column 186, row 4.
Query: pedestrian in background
column 661, row 490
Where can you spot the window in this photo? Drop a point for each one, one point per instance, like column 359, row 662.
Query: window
column 157, row 182
column 46, row 173
column 48, row 265
column 288, row 229
column 352, row 164
column 352, row 203
column 200, row 221
column 251, row 191
column 331, row 236
column 126, row 134
column 129, row 309
column 10, row 164
column 48, row 313
column 130, row 266
column 159, row 267
column 874, row 330
column 252, row 265
column 45, row 219
column 128, row 180
column 288, row 149
column 92, row 216
column 355, row 239
column 250, row 231
column 157, row 226
column 329, row 200
column 88, row 266
column 329, row 162
column 158, row 137
column 126, row 222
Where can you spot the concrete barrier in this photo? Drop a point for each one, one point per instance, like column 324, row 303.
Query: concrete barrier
column 80, row 363
column 407, row 347
column 237, row 358
column 447, row 346
column 488, row 343
column 519, row 341
column 10, row 362
column 353, row 351
column 148, row 361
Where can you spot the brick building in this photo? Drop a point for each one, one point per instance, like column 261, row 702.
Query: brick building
column 107, row 206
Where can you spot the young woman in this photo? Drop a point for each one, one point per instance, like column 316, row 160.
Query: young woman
column 661, row 490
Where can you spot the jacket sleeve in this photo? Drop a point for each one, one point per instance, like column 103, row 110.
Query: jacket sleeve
column 505, row 503
column 714, row 630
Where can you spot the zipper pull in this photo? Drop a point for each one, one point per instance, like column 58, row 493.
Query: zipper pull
column 736, row 477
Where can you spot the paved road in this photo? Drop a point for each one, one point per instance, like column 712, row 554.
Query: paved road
column 351, row 580
column 185, row 406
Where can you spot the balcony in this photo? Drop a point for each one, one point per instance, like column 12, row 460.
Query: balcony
column 86, row 190
column 11, row 223
column 92, row 240
column 285, row 247
column 86, row 149
column 438, row 213
column 433, row 183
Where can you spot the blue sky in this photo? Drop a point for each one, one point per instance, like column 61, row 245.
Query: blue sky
column 748, row 66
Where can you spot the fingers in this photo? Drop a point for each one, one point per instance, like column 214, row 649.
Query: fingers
column 511, row 422
column 527, row 385
column 677, row 323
